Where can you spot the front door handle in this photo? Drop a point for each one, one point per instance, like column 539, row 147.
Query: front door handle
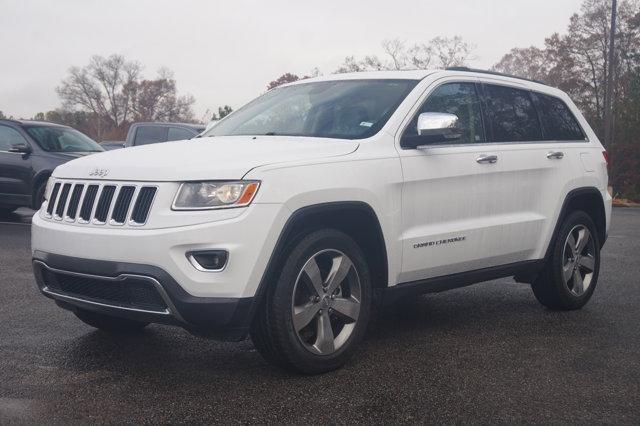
column 487, row 159
column 555, row 154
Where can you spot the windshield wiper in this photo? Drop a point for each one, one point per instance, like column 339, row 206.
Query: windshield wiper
column 271, row 134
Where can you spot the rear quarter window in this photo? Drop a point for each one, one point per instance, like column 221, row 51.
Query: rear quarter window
column 178, row 134
column 150, row 134
column 558, row 122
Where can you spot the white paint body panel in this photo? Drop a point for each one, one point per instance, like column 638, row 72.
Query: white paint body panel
column 505, row 211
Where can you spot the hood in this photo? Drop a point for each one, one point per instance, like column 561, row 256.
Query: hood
column 215, row 158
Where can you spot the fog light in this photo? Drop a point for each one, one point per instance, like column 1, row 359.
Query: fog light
column 208, row 260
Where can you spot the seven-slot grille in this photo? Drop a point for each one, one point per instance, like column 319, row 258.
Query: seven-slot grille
column 101, row 203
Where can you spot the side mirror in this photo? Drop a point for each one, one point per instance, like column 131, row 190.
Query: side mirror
column 440, row 126
column 20, row 148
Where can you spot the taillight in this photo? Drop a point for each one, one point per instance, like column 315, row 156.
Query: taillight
column 605, row 154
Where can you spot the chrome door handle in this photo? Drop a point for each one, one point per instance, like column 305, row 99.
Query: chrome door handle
column 487, row 159
column 555, row 154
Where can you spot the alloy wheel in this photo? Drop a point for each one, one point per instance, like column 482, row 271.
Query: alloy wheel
column 578, row 260
column 326, row 302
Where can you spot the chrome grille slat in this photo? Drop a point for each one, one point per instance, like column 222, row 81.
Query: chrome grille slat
column 62, row 201
column 74, row 202
column 121, row 206
column 53, row 198
column 143, row 205
column 132, row 204
column 104, row 204
column 101, row 203
column 88, row 202
column 95, row 204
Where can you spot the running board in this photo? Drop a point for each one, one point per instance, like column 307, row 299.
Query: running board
column 462, row 279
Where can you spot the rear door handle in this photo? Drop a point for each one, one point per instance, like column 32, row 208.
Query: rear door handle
column 487, row 159
column 555, row 154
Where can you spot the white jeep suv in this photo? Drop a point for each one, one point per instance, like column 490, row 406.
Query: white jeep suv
column 292, row 216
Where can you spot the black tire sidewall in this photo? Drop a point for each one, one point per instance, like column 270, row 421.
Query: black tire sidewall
column 566, row 298
column 297, row 355
column 39, row 196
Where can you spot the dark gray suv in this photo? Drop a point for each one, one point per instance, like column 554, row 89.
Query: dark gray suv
column 145, row 133
column 29, row 151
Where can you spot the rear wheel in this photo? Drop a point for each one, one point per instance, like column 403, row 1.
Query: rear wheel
column 571, row 273
column 109, row 323
column 315, row 315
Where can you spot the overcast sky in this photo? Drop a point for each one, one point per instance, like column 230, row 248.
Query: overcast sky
column 225, row 52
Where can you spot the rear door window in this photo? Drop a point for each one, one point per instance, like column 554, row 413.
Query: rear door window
column 510, row 115
column 558, row 123
column 178, row 134
column 150, row 134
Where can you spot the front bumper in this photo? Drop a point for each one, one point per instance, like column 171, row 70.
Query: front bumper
column 222, row 318
column 248, row 235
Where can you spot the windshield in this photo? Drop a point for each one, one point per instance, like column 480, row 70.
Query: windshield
column 62, row 139
column 348, row 109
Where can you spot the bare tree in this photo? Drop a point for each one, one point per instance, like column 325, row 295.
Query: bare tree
column 101, row 88
column 450, row 52
column 578, row 61
column 157, row 100
column 440, row 52
column 112, row 89
column 397, row 51
column 531, row 62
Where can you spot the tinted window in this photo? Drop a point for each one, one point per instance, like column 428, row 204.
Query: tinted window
column 510, row 115
column 350, row 109
column 558, row 123
column 460, row 99
column 8, row 137
column 178, row 134
column 150, row 134
column 62, row 139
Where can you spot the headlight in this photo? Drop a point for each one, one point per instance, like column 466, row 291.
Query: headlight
column 214, row 195
column 48, row 189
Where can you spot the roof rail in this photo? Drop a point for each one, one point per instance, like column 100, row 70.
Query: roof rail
column 467, row 69
column 12, row 120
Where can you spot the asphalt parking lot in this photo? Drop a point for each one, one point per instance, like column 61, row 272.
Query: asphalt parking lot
column 483, row 354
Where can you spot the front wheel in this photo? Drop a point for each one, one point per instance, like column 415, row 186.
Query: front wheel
column 315, row 315
column 571, row 273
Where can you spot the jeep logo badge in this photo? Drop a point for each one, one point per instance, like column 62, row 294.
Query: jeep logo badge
column 99, row 172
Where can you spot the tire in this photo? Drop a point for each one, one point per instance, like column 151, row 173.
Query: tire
column 39, row 196
column 300, row 326
column 558, row 287
column 108, row 323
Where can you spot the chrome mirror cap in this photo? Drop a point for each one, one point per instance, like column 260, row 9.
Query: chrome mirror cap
column 438, row 124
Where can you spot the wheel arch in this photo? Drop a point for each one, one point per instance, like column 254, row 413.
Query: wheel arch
column 589, row 200
column 38, row 180
column 355, row 218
